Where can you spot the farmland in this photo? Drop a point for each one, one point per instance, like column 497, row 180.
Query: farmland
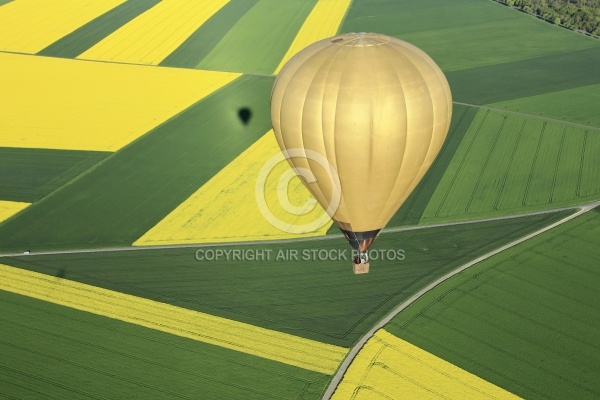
column 526, row 319
column 88, row 35
column 555, row 165
column 389, row 367
column 225, row 208
column 463, row 34
column 135, row 188
column 107, row 110
column 10, row 208
column 199, row 44
column 30, row 174
column 151, row 37
column 321, row 23
column 206, row 328
column 258, row 42
column 102, row 159
column 46, row 21
column 575, row 105
column 319, row 300
column 54, row 351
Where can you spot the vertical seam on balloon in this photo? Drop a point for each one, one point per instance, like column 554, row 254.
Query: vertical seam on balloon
column 371, row 127
column 329, row 165
column 342, row 198
column 302, row 132
column 380, row 216
column 433, row 114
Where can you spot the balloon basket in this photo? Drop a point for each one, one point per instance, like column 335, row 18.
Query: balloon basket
column 360, row 268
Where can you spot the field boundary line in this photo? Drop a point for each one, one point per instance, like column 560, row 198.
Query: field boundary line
column 196, row 325
column 548, row 119
column 293, row 240
column 385, row 320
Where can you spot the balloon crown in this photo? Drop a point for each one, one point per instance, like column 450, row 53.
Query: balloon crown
column 360, row 39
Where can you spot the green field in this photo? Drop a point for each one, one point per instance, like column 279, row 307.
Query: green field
column 579, row 105
column 50, row 351
column 260, row 39
column 27, row 175
column 204, row 40
column 525, row 136
column 136, row 187
column 94, row 31
column 464, row 34
column 526, row 319
column 524, row 78
column 320, row 300
column 508, row 163
column 413, row 208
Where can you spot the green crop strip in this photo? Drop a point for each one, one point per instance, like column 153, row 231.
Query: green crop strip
column 28, row 175
column 260, row 39
column 316, row 298
column 526, row 319
column 94, row 31
column 55, row 351
column 201, row 42
column 136, row 187
column 508, row 163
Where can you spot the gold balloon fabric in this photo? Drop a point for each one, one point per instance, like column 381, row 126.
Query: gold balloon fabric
column 377, row 108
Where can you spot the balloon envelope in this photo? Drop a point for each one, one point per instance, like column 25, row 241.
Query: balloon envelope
column 377, row 108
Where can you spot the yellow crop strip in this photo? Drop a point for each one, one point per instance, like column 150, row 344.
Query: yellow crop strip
column 323, row 22
column 10, row 208
column 391, row 368
column 80, row 105
column 151, row 37
column 28, row 26
column 250, row 339
column 225, row 208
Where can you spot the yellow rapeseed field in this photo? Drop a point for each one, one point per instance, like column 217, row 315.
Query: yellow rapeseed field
column 81, row 105
column 10, row 208
column 323, row 22
column 225, row 209
column 261, row 342
column 151, row 37
column 391, row 368
column 28, row 26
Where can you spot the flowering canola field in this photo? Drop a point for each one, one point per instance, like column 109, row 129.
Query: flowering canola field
column 53, row 104
column 28, row 26
column 225, row 209
column 323, row 22
column 10, row 208
column 261, row 342
column 388, row 367
column 151, row 37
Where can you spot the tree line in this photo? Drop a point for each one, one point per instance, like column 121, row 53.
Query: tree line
column 579, row 15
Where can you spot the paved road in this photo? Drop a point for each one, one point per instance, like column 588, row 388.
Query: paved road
column 354, row 351
column 280, row 241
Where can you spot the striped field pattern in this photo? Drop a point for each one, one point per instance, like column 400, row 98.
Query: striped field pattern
column 225, row 208
column 391, row 368
column 74, row 112
column 323, row 22
column 28, row 26
column 10, row 208
column 151, row 37
column 266, row 343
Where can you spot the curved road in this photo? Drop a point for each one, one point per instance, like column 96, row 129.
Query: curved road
column 584, row 208
column 337, row 378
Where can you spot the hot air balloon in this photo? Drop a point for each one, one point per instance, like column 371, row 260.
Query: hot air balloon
column 378, row 110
